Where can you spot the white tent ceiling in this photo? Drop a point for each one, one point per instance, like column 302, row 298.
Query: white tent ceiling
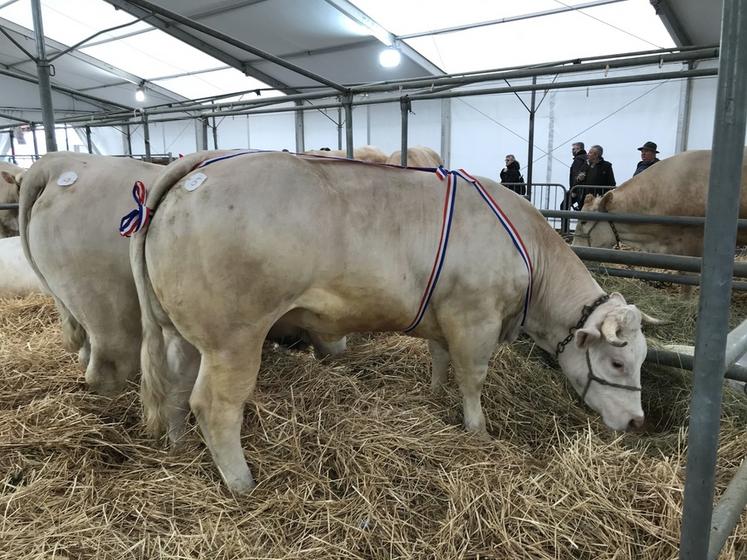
column 338, row 40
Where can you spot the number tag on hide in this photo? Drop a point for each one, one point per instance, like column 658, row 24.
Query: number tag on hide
column 67, row 178
column 194, row 181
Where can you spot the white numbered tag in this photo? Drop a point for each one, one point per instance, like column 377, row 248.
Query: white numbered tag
column 194, row 181
column 67, row 178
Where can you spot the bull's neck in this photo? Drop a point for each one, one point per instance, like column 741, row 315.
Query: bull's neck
column 563, row 286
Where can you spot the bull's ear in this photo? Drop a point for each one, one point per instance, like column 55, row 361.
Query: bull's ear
column 589, row 200
column 584, row 337
column 604, row 204
column 8, row 178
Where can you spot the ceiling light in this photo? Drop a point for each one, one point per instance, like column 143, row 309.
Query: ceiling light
column 390, row 58
column 140, row 92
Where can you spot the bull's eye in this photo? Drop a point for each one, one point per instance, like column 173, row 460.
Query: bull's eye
column 617, row 365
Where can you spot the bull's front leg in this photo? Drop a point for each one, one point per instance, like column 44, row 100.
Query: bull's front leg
column 439, row 366
column 470, row 348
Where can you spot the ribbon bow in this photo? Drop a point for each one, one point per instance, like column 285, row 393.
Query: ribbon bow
column 137, row 219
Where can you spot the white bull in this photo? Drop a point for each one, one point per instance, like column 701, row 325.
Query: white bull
column 8, row 195
column 70, row 237
column 676, row 186
column 417, row 156
column 17, row 278
column 345, row 247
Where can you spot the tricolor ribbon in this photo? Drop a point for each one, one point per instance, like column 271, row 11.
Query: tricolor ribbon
column 448, row 213
column 137, row 219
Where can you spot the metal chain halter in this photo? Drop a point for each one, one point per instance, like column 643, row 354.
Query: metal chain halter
column 585, row 312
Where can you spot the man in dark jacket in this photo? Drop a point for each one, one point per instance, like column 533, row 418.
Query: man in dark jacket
column 648, row 157
column 512, row 174
column 579, row 165
column 599, row 174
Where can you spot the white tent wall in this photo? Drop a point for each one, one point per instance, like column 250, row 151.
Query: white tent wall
column 22, row 94
column 175, row 137
column 423, row 126
column 272, row 131
column 320, row 127
column 109, row 140
column 233, row 132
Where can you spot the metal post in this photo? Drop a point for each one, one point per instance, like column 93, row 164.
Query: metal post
column 12, row 145
column 339, row 128
column 405, row 106
column 128, row 137
column 683, row 115
column 215, row 134
column 727, row 512
column 300, row 132
column 43, row 71
column 348, row 105
column 146, row 136
column 67, row 140
column 446, row 131
column 715, row 291
column 530, row 152
column 203, row 143
column 88, row 139
column 36, row 142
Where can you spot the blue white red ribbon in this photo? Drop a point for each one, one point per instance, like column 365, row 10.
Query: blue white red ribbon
column 231, row 155
column 137, row 219
column 448, row 214
column 452, row 177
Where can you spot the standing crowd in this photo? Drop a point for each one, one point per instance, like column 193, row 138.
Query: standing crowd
column 590, row 173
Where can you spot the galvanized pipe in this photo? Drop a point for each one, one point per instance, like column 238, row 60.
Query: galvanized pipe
column 736, row 344
column 439, row 95
column 348, row 106
column 653, row 260
column 404, row 109
column 727, row 512
column 42, row 71
column 103, row 120
column 685, row 361
column 632, row 218
column 530, row 147
column 657, row 276
column 146, row 136
column 715, row 290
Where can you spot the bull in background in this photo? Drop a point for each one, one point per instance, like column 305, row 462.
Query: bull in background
column 676, row 186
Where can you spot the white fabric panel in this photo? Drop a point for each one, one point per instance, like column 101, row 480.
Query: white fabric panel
column 177, row 137
column 109, row 140
column 232, row 133
column 320, row 129
column 272, row 131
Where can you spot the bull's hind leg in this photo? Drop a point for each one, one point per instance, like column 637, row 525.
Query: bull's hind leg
column 226, row 380
column 183, row 361
column 439, row 366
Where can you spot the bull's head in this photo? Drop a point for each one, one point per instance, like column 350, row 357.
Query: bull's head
column 603, row 362
column 592, row 233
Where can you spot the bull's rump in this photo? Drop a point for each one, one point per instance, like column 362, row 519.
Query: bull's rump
column 73, row 231
column 348, row 247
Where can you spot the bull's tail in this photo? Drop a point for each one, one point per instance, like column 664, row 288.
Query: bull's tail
column 31, row 185
column 155, row 373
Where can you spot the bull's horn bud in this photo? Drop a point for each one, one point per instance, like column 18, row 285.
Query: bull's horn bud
column 609, row 331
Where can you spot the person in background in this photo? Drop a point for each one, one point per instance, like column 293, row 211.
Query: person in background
column 512, row 174
column 648, row 157
column 598, row 174
column 579, row 165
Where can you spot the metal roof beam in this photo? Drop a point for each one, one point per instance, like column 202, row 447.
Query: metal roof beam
column 671, row 22
column 83, row 96
column 509, row 19
column 135, row 7
column 387, row 38
column 96, row 63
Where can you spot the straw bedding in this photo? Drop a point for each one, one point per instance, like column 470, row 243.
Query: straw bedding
column 354, row 458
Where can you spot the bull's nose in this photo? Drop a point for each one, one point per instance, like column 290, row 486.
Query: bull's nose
column 636, row 423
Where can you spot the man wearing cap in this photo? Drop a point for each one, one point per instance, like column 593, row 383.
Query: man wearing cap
column 648, row 157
